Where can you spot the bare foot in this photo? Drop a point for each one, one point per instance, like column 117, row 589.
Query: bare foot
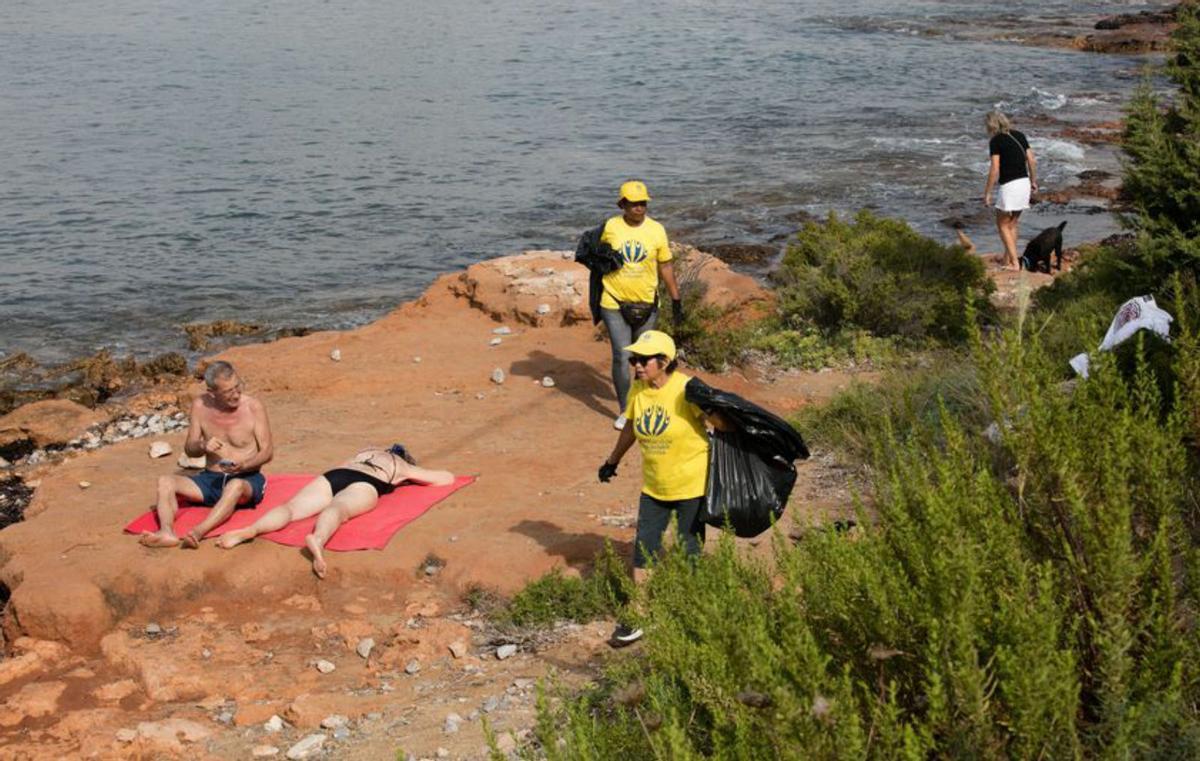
column 191, row 541
column 159, row 539
column 234, row 538
column 314, row 547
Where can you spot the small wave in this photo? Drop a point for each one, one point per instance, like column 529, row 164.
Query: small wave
column 1036, row 99
column 1062, row 150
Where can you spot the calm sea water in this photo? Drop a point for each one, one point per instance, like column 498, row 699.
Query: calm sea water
column 314, row 162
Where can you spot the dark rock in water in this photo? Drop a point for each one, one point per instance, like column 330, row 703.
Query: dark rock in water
column 14, row 497
column 1142, row 17
column 741, row 253
column 171, row 363
column 200, row 334
column 19, row 362
column 291, row 332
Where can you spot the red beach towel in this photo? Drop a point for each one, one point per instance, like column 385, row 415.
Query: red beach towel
column 370, row 531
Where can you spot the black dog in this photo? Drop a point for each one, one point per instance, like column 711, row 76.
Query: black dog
column 1037, row 253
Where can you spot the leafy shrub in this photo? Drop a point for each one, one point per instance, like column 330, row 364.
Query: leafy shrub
column 910, row 402
column 557, row 597
column 880, row 276
column 1036, row 597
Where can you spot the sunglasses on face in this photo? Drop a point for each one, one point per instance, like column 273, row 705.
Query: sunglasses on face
column 636, row 203
column 637, row 359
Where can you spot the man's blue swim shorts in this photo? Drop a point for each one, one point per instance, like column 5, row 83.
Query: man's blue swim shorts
column 212, row 483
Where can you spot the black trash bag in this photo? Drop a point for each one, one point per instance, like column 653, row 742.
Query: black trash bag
column 600, row 259
column 750, row 470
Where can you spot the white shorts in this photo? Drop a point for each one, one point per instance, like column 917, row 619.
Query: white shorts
column 1014, row 195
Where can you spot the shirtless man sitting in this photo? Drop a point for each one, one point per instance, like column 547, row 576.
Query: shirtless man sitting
column 351, row 489
column 231, row 430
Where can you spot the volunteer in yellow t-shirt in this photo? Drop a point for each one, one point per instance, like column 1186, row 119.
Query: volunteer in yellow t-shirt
column 674, row 443
column 629, row 303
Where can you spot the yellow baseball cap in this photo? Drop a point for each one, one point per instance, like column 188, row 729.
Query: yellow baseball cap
column 634, row 191
column 652, row 343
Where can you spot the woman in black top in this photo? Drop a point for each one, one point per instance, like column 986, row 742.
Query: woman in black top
column 340, row 494
column 1015, row 168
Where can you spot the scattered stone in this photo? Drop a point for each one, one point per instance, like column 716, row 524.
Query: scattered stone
column 159, row 449
column 504, row 652
column 506, row 743
column 341, row 733
column 431, row 570
column 548, row 382
column 264, row 751
column 503, row 330
column 458, row 648
column 153, row 629
column 375, row 716
column 335, row 720
column 336, row 355
column 523, row 684
column 452, row 723
column 126, row 735
column 274, row 724
column 85, row 484
column 306, row 748
column 225, row 717
column 491, row 704
column 495, row 341
column 412, row 667
column 206, row 653
column 497, row 376
column 416, row 360
column 473, row 715
column 480, row 395
column 543, row 309
column 364, row 647
column 442, row 753
column 4, row 463
column 325, row 667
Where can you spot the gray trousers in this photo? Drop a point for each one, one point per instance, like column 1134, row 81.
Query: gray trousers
column 621, row 336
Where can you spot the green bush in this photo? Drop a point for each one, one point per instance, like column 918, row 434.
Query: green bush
column 880, row 276
column 555, row 597
column 1031, row 597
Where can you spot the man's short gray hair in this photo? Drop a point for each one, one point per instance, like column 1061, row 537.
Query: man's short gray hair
column 996, row 123
column 218, row 370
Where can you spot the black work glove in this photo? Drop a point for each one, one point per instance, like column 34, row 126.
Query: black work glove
column 676, row 312
column 607, row 471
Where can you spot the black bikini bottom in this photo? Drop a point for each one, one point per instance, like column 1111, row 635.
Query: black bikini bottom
column 340, row 478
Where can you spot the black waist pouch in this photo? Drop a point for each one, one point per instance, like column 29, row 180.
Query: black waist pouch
column 635, row 313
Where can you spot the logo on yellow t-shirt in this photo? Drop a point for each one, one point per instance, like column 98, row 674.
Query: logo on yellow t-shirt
column 653, row 421
column 635, row 252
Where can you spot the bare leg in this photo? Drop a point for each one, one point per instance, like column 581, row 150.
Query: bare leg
column 235, row 492
column 314, row 497
column 355, row 499
column 168, row 504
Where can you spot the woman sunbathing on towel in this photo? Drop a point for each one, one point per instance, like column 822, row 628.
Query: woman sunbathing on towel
column 339, row 495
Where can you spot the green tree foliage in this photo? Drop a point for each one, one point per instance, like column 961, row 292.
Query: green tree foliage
column 879, row 275
column 1162, row 174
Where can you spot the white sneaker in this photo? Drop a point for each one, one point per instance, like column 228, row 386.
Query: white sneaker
column 619, row 423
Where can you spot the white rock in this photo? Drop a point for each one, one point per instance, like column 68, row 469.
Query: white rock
column 496, row 341
column 504, row 652
column 452, row 723
column 443, row 753
column 306, row 748
column 273, row 724
column 506, row 743
column 412, row 667
column 503, row 330
column 126, row 735
column 543, row 309
column 325, row 667
column 336, row 355
column 364, row 647
column 548, row 382
column 481, row 395
column 458, row 648
column 153, row 629
column 125, row 426
column 497, row 376
column 416, row 360
column 192, row 463
column 264, row 751
column 143, row 419
column 159, row 449
column 4, row 463
column 85, row 484
column 333, row 721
